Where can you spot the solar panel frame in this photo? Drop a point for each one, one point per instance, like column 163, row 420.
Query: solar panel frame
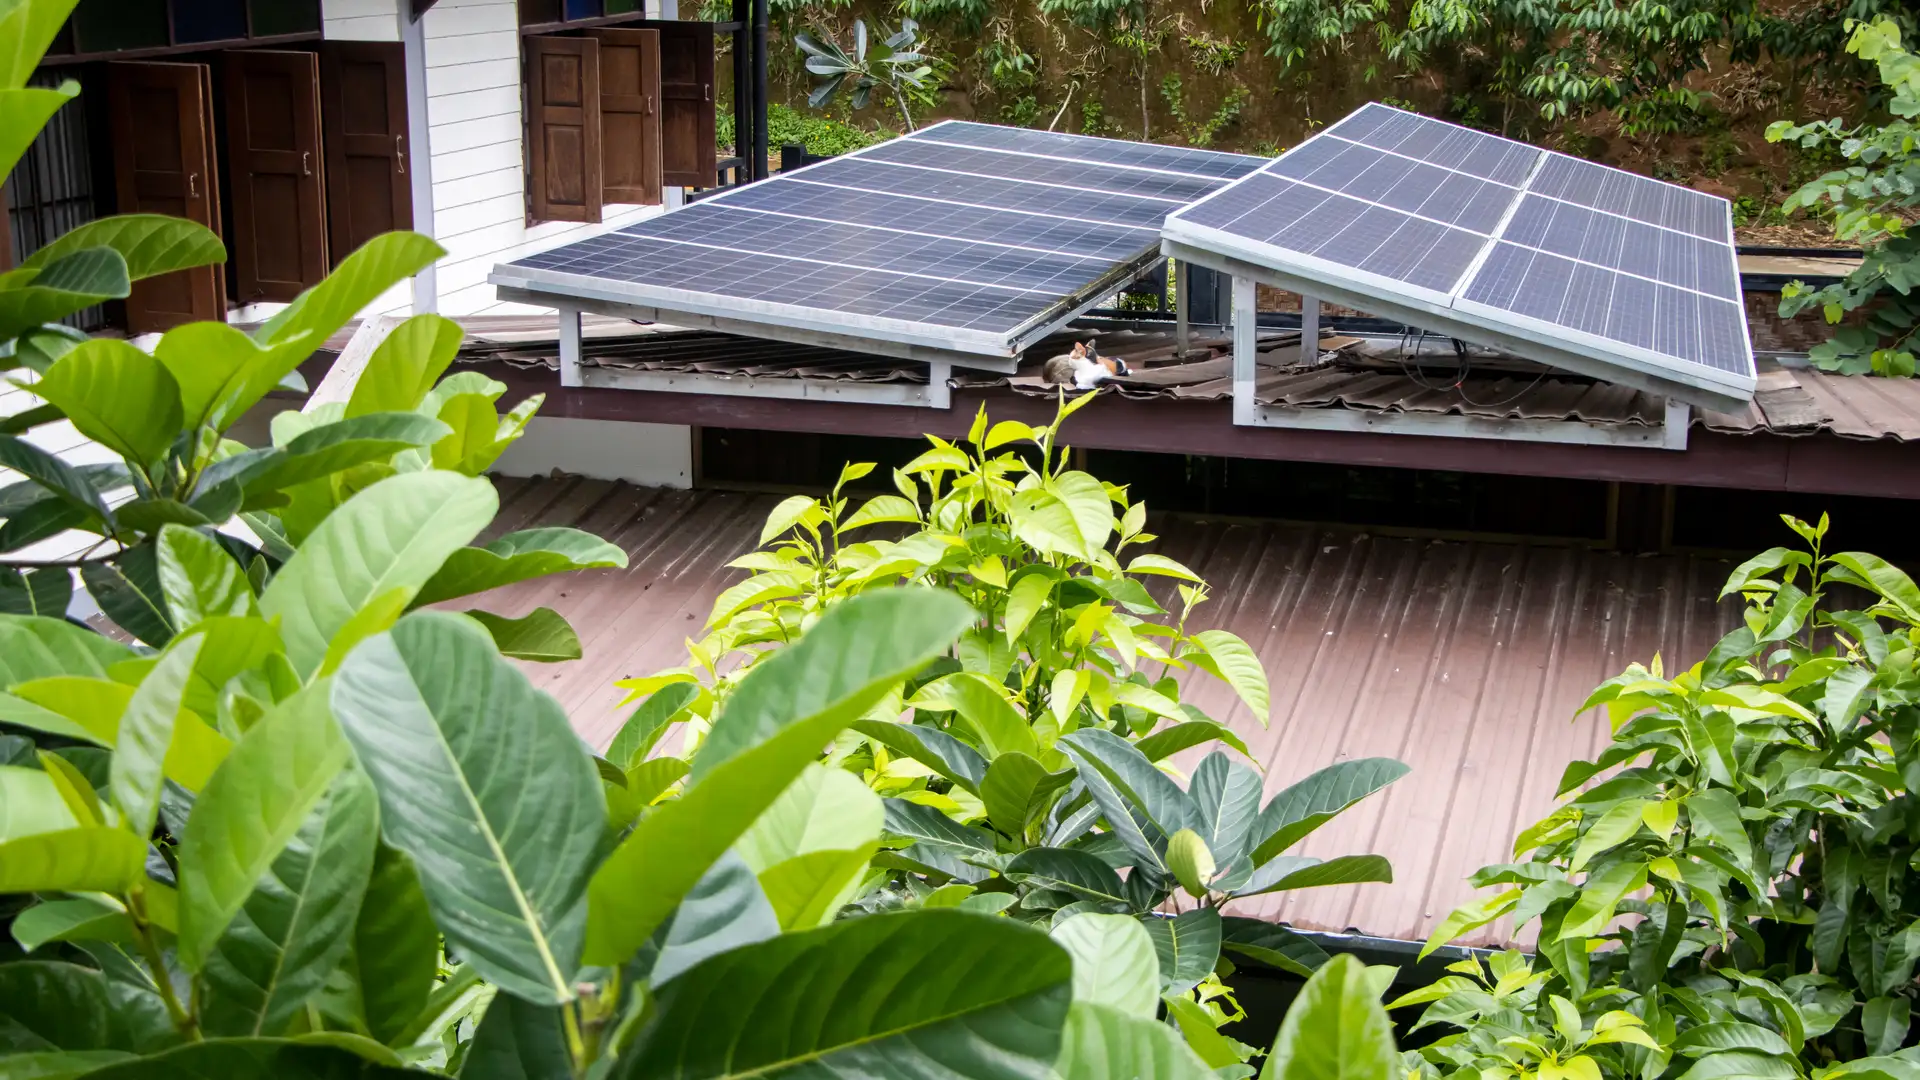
column 988, row 292
column 1592, row 341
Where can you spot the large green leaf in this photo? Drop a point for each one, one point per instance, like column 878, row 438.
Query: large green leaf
column 30, row 802
column 77, row 281
column 291, row 933
column 1286, row 872
column 1226, row 796
column 1136, row 778
column 542, row 635
column 1018, row 790
column 66, row 482
column 221, row 371
column 1335, row 1030
column 483, row 783
column 151, row 244
column 47, row 1005
column 979, row 702
column 810, row 889
column 339, row 446
column 1114, row 964
column 146, row 736
column 1081, row 873
column 1294, row 813
column 725, row 910
column 43, row 647
column 1230, row 658
column 1102, row 1043
column 92, row 858
column 1188, row 733
column 27, row 110
column 779, row 717
column 83, row 919
column 27, row 30
column 1025, row 598
column 518, row 556
column 305, row 1058
column 808, row 847
column 931, row 747
column 518, row 1040
column 1188, row 945
column 47, row 591
column 643, row 729
column 393, row 535
column 128, row 590
column 406, row 365
column 118, row 396
column 935, row 992
column 1273, row 945
column 249, row 811
column 199, row 579
column 396, row 947
column 361, row 277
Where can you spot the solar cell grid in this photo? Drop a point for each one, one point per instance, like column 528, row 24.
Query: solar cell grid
column 861, row 174
column 1208, row 163
column 974, row 161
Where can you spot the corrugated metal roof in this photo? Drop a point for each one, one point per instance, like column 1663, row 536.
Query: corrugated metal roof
column 1465, row 659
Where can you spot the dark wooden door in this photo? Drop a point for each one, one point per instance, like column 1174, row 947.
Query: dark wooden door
column 363, row 89
column 163, row 164
column 563, row 122
column 630, row 115
column 688, row 157
column 276, row 173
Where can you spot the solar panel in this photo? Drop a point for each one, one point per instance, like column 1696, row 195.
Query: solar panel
column 1456, row 230
column 965, row 238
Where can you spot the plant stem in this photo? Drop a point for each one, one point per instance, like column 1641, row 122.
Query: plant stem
column 576, row 1047
column 157, row 966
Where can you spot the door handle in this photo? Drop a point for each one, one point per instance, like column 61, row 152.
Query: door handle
column 706, row 91
column 648, row 111
column 400, row 153
column 306, row 163
column 193, row 185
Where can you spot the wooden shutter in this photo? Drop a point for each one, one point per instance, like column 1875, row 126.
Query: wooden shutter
column 363, row 111
column 563, row 128
column 162, row 164
column 687, row 137
column 275, row 171
column 630, row 115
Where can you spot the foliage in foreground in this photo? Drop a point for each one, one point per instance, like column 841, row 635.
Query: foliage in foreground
column 1028, row 772
column 1874, row 201
column 1730, row 889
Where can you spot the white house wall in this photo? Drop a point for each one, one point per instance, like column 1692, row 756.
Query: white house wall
column 360, row 20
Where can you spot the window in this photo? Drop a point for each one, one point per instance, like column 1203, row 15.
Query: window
column 113, row 26
column 559, row 12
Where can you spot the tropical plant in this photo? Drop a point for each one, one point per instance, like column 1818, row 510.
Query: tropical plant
column 896, row 66
column 1735, row 871
column 1873, row 201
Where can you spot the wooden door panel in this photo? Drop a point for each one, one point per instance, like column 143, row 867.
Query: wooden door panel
column 163, row 164
column 363, row 88
column 563, row 87
column 687, row 151
column 275, row 167
column 630, row 115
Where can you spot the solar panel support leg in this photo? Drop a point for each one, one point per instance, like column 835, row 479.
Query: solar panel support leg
column 1679, row 419
column 1309, row 328
column 569, row 346
column 1246, row 330
column 1181, row 322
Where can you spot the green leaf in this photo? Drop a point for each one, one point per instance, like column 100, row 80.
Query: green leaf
column 249, row 811
column 823, row 809
column 1114, row 964
column 931, row 747
column 1612, row 829
column 484, row 784
column 31, row 802
column 294, row 929
column 405, row 366
column 1085, row 497
column 393, row 535
column 785, row 516
column 1081, row 873
column 1234, row 661
column 1227, row 798
column 1133, row 776
column 48, row 1006
column 86, row 859
column 58, row 1064
column 518, row 556
column 1018, row 790
column 1275, row 946
column 1600, row 896
column 63, row 480
column 1745, row 1064
column 1885, row 1022
column 1101, row 1043
column 1286, row 872
column 334, row 448
column 29, row 298
column 1196, row 1026
column 1161, row 565
column 43, row 647
column 931, row 992
column 221, row 372
column 1024, row 601
column 1300, row 809
column 45, row 592
column 809, row 890
column 1188, row 945
column 303, row 1058
column 118, row 396
column 1729, row 1035
column 199, row 579
column 151, row 244
column 26, row 32
column 541, row 635
column 1190, row 861
column 1884, row 578
column 129, row 592
column 1335, row 1030
column 778, row 718
column 517, row 1040
column 70, row 920
column 881, row 508
column 643, row 729
column 1714, row 814
column 146, row 734
column 396, row 946
column 725, row 910
column 978, row 701
column 376, row 266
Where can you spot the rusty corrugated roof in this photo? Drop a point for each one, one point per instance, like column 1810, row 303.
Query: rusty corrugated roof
column 1465, row 659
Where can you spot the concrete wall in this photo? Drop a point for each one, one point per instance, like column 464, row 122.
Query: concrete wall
column 655, row 455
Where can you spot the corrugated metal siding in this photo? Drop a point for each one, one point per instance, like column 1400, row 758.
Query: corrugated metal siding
column 1465, row 660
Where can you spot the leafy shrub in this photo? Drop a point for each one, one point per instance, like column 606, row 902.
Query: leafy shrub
column 1729, row 889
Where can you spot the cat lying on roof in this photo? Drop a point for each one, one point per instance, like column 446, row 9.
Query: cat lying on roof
column 1083, row 368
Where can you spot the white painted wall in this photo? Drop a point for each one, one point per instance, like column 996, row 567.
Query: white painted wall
column 360, row 20
column 654, row 455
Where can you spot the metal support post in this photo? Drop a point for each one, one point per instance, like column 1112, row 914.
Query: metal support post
column 758, row 171
column 1246, row 331
column 419, row 150
column 1678, row 419
column 569, row 346
column 1182, row 325
column 1309, row 329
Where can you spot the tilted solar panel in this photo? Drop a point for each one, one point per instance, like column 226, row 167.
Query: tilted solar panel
column 965, row 238
column 1455, row 230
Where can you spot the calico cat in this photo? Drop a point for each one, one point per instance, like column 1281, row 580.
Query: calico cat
column 1083, row 368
